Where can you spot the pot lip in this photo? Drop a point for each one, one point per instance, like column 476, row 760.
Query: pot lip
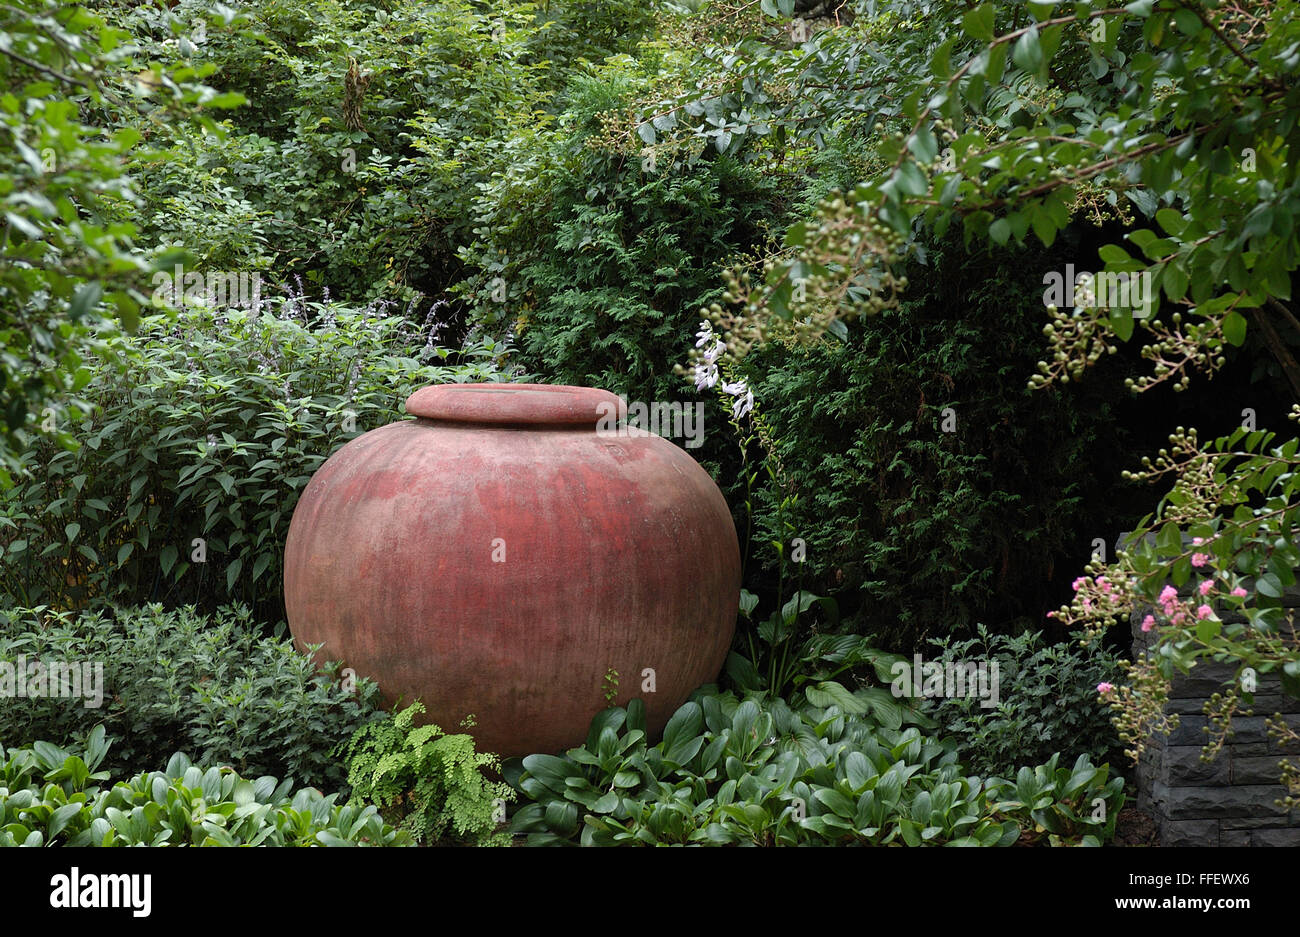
column 526, row 404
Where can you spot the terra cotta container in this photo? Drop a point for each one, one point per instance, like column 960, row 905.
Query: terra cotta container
column 498, row 556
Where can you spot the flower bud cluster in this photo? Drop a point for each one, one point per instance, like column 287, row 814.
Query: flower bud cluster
column 1196, row 493
column 1176, row 349
column 851, row 254
column 1077, row 341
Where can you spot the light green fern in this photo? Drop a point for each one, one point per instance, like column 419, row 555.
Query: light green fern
column 429, row 783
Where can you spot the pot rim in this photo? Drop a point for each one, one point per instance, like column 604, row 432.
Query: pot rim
column 529, row 404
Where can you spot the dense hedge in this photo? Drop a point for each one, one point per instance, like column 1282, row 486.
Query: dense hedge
column 918, row 530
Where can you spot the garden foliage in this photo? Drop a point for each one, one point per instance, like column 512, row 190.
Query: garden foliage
column 79, row 97
column 52, row 796
column 433, row 785
column 587, row 182
column 1048, row 702
column 604, row 261
column 732, row 771
column 209, row 685
column 1176, row 120
column 193, row 454
column 930, row 489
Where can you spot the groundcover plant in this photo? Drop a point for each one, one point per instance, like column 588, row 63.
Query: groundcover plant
column 978, row 316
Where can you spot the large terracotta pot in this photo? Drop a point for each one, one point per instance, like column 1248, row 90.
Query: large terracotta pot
column 498, row 555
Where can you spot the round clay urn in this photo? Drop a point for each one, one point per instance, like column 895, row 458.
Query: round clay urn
column 503, row 551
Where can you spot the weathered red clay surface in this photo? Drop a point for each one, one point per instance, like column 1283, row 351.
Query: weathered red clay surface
column 620, row 552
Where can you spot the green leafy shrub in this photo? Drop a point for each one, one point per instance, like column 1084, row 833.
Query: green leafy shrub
column 1198, row 214
column 191, row 463
column 603, row 262
column 367, row 125
column 428, row 783
column 1048, row 702
column 571, row 35
column 54, row 797
column 69, row 142
column 755, row 771
column 184, row 681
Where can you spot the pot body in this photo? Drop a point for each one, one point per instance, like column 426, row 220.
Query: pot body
column 497, row 556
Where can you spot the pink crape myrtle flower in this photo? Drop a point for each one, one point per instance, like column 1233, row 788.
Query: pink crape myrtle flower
column 1148, row 623
column 1204, row 612
column 1104, row 688
column 1169, row 601
column 1206, row 587
column 1239, row 592
column 1199, row 559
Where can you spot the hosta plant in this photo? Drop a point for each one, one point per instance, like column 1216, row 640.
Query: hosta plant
column 733, row 771
column 1063, row 803
column 818, row 665
column 50, row 796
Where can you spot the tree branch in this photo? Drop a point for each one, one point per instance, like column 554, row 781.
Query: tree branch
column 1280, row 351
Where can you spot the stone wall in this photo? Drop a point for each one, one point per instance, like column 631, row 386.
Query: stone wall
column 1231, row 800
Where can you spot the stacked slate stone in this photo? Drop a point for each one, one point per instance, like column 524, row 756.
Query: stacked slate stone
column 1230, row 801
